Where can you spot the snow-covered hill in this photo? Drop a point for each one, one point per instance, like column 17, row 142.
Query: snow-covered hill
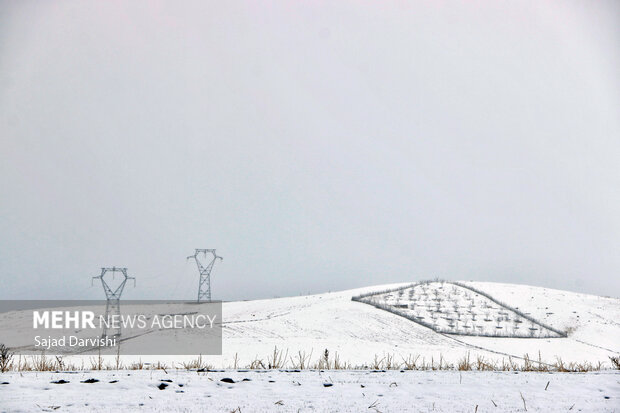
column 358, row 332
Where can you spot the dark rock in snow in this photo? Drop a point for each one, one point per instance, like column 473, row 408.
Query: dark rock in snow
column 59, row 382
column 5, row 382
column 246, row 379
column 90, row 381
column 162, row 386
column 227, row 380
column 114, row 381
column 166, row 380
column 328, row 384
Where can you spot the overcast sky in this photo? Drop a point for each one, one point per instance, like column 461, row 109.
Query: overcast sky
column 316, row 145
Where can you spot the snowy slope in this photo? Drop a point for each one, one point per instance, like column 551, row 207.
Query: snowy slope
column 358, row 332
column 591, row 322
column 589, row 318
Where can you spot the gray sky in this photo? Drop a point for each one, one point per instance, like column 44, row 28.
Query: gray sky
column 317, row 145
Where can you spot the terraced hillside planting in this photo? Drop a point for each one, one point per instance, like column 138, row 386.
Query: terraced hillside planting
column 454, row 308
column 357, row 333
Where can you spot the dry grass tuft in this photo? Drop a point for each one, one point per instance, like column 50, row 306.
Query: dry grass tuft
column 279, row 359
column 196, row 364
column 464, row 364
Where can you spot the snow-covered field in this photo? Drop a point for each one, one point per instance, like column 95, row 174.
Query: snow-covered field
column 358, row 332
column 307, row 391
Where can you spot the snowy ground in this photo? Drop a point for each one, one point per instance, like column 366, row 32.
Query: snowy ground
column 278, row 391
column 358, row 331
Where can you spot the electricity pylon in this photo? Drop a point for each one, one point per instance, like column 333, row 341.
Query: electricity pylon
column 113, row 297
column 204, row 285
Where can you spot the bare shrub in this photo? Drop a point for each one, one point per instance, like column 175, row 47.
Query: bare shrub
column 325, row 363
column 302, row 360
column 42, row 363
column 377, row 363
column 411, row 362
column 390, row 363
column 60, row 363
column 96, row 363
column 6, row 357
column 277, row 358
column 256, row 364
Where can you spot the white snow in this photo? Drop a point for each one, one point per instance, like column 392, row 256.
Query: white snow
column 452, row 309
column 278, row 391
column 358, row 331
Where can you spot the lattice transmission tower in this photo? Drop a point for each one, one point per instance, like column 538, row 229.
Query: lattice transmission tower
column 204, row 285
column 113, row 297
